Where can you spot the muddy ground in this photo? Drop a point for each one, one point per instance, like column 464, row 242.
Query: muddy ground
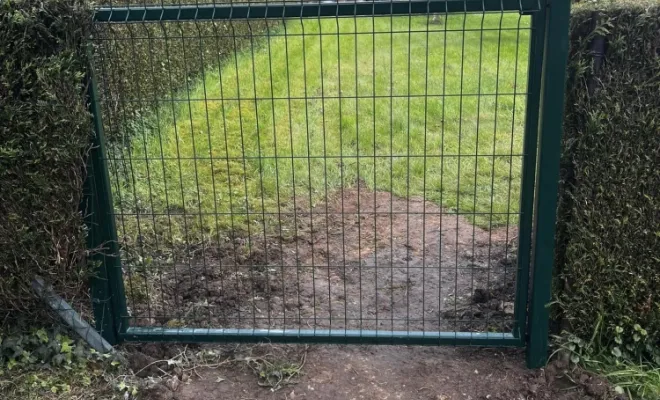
column 368, row 372
column 360, row 260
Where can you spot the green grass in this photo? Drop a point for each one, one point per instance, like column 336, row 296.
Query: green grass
column 638, row 381
column 295, row 145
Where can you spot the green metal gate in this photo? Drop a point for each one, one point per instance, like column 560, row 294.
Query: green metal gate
column 341, row 172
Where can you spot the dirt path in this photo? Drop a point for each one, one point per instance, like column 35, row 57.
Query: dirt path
column 387, row 372
column 361, row 260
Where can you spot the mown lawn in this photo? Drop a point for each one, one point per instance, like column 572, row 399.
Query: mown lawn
column 305, row 113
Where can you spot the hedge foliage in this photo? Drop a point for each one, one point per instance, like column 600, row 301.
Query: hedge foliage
column 609, row 212
column 44, row 135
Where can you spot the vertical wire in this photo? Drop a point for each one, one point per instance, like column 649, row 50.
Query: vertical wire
column 492, row 182
column 176, row 135
column 162, row 161
column 245, row 185
column 277, row 170
column 293, row 167
column 458, row 173
column 132, row 178
column 442, row 166
column 408, row 177
column 169, row 71
column 476, row 157
column 373, row 93
column 325, row 171
column 208, row 135
column 513, row 128
column 309, row 167
column 341, row 168
column 146, row 162
column 229, row 184
column 357, row 153
column 261, row 175
column 426, row 98
column 195, row 169
column 392, row 162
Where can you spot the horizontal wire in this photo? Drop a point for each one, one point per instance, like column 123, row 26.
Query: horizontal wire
column 302, row 157
column 361, row 267
column 311, row 318
column 259, row 213
column 332, row 34
column 366, row 97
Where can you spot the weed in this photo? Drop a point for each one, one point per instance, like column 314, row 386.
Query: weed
column 631, row 374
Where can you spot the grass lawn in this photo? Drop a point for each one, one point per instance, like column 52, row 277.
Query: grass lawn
column 299, row 114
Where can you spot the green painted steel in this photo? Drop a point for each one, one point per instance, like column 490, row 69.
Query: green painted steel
column 529, row 171
column 107, row 286
column 538, row 187
column 237, row 11
column 337, row 336
column 547, row 180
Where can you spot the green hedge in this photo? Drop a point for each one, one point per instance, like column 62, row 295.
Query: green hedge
column 44, row 134
column 609, row 212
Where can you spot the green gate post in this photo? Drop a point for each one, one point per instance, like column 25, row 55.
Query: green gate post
column 547, row 179
column 107, row 285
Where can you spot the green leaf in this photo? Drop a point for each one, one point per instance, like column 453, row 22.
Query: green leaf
column 616, row 352
column 42, row 335
column 66, row 347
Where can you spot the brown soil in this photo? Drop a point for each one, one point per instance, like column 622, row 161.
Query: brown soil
column 361, row 260
column 385, row 372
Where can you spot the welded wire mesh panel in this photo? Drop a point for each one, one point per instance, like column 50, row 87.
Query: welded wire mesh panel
column 347, row 172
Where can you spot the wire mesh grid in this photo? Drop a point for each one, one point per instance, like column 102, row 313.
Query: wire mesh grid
column 327, row 173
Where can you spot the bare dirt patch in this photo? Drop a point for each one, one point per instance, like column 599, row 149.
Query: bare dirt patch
column 359, row 260
column 378, row 372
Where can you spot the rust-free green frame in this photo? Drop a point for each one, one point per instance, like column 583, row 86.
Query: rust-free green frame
column 543, row 128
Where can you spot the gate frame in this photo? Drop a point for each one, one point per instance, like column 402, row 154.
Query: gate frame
column 539, row 184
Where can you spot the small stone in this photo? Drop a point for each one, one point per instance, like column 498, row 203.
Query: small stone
column 173, row 383
column 508, row 308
